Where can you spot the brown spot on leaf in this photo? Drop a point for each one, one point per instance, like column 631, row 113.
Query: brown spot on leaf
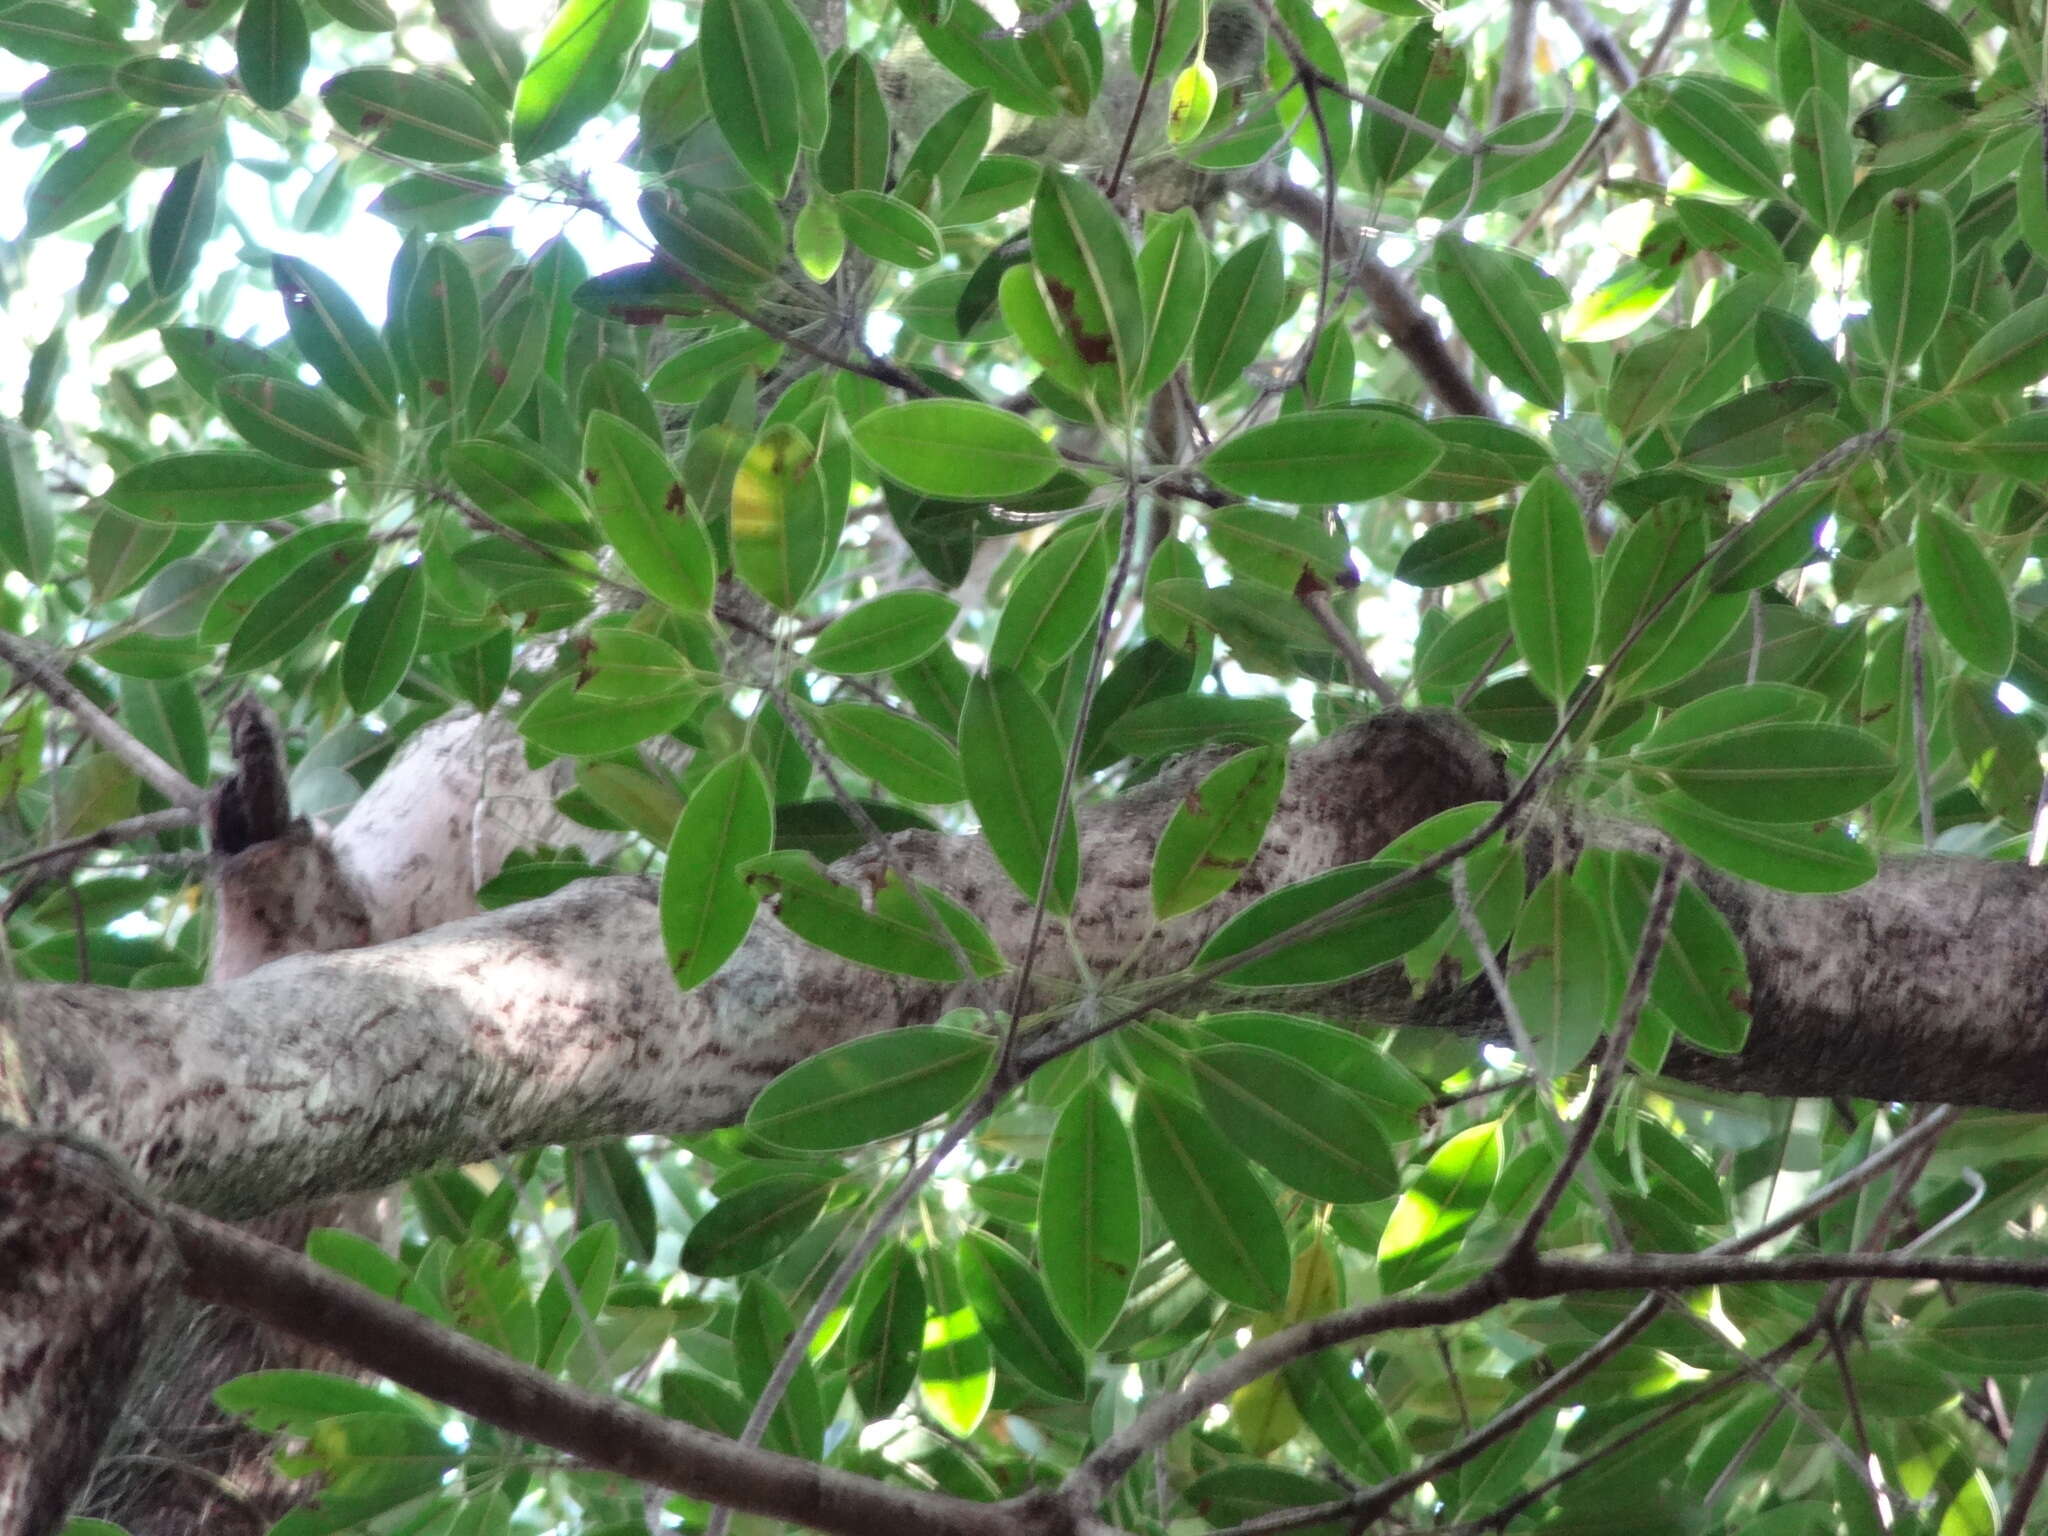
column 1090, row 346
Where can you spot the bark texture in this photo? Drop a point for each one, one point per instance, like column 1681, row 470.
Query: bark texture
column 83, row 1271
column 413, row 850
column 557, row 1020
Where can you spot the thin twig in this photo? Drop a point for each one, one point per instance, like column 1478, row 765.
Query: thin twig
column 1916, row 659
column 131, row 829
column 1613, row 1064
column 1071, row 771
column 1363, row 673
column 1123, row 154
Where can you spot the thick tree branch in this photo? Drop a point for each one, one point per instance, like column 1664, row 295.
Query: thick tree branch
column 83, row 1265
column 558, row 1020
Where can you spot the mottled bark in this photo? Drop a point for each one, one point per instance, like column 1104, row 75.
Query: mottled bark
column 558, row 1020
column 413, row 849
column 84, row 1268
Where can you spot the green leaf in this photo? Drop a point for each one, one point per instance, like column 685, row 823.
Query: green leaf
column 706, row 907
column 518, row 490
column 751, row 84
column 583, row 59
column 2005, row 1332
column 855, row 153
column 1809, row 859
column 1748, row 435
column 443, row 326
column 782, row 524
column 1455, row 551
column 885, row 1330
column 28, row 529
column 626, row 688
column 1393, row 1096
column 434, row 204
column 1084, row 257
column 1702, row 978
column 866, row 1090
column 1088, row 1214
column 1216, row 831
column 954, row 1374
column 689, row 375
column 415, row 114
column 885, row 928
column 1652, row 377
column 298, row 1400
column 754, row 1224
column 1707, row 128
column 84, row 178
column 183, row 223
column 947, row 157
column 1238, row 316
column 1729, row 233
column 310, row 595
column 1494, row 314
column 1911, row 262
column 566, row 1321
column 905, row 756
column 1909, row 36
column 1964, row 592
column 1018, row 1319
column 1823, row 158
column 1013, row 759
column 234, row 602
column 1173, row 284
column 1550, row 585
column 1429, row 1220
column 643, row 515
column 335, row 338
column 888, row 229
column 216, row 486
column 72, row 96
column 1519, row 156
column 487, row 1298
column 386, row 633
column 1213, row 1206
column 761, row 1331
column 1381, row 931
column 959, row 449
column 1557, row 973
column 1314, row 1135
column 61, row 35
column 884, row 633
column 1054, row 601
column 1780, row 771
column 1424, row 75
column 273, row 46
column 2013, row 354
column 1324, row 456
column 292, row 422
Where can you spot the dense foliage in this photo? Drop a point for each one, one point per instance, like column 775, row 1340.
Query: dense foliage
column 891, row 418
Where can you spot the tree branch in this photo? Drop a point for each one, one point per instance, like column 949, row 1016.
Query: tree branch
column 43, row 671
column 230, row 1267
column 1394, row 305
